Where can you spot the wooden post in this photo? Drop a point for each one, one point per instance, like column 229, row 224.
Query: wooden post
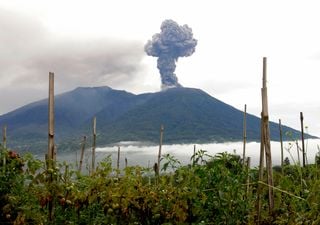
column 160, row 147
column 244, row 133
column 4, row 136
column 266, row 134
column 261, row 170
column 194, row 154
column 51, row 150
column 4, row 143
column 125, row 162
column 118, row 160
column 51, row 120
column 302, row 139
column 83, row 147
column 94, row 133
column 298, row 153
column 248, row 176
column 281, row 144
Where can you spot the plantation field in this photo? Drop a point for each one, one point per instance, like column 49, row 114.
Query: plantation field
column 209, row 190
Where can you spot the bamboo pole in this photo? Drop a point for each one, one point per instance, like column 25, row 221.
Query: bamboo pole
column 266, row 134
column 302, row 139
column 298, row 153
column 261, row 170
column 194, row 154
column 83, row 147
column 118, row 160
column 94, row 133
column 4, row 136
column 281, row 144
column 51, row 120
column 244, row 133
column 248, row 175
column 4, row 143
column 160, row 147
column 51, row 151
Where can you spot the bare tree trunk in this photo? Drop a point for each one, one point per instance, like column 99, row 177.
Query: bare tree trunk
column 244, row 133
column 160, row 147
column 83, row 147
column 302, row 139
column 94, row 133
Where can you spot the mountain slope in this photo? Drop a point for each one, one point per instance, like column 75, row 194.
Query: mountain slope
column 188, row 115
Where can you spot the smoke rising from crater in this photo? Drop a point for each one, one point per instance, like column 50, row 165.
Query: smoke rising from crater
column 172, row 42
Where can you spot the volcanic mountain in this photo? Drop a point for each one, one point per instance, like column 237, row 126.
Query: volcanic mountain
column 188, row 115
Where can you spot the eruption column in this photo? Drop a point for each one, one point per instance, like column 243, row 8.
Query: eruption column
column 172, row 42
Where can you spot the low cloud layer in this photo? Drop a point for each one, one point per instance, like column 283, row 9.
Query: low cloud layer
column 28, row 52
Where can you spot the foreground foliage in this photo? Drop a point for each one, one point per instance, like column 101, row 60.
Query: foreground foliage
column 211, row 190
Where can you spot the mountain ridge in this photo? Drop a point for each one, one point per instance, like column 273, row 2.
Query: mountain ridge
column 189, row 115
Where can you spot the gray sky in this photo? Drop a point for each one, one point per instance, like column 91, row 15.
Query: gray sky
column 96, row 43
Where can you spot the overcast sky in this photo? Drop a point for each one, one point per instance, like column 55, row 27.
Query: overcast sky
column 97, row 43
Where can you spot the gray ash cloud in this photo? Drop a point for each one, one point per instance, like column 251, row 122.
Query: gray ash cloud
column 172, row 42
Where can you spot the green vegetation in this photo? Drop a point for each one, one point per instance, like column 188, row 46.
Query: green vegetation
column 211, row 190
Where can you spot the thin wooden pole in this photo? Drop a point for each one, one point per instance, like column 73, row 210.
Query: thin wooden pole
column 51, row 120
column 266, row 134
column 4, row 143
column 4, row 136
column 160, row 147
column 302, row 139
column 51, row 150
column 94, row 133
column 248, row 175
column 118, row 159
column 83, row 147
column 298, row 153
column 244, row 133
column 194, row 154
column 261, row 170
column 281, row 144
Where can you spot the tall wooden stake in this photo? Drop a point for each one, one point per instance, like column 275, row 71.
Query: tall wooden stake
column 244, row 133
column 51, row 120
column 83, row 147
column 302, row 139
column 266, row 134
column 261, row 170
column 160, row 147
column 51, row 147
column 118, row 159
column 281, row 144
column 94, row 133
column 248, row 176
column 4, row 136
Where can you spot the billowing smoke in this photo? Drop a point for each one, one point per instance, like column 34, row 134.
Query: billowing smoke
column 172, row 42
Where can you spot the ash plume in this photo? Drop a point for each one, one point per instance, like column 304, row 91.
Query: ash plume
column 172, row 42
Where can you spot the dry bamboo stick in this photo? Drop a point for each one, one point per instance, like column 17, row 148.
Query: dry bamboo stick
column 51, row 119
column 83, row 147
column 4, row 136
column 160, row 147
column 302, row 139
column 118, row 160
column 281, row 144
column 244, row 133
column 94, row 133
column 266, row 134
